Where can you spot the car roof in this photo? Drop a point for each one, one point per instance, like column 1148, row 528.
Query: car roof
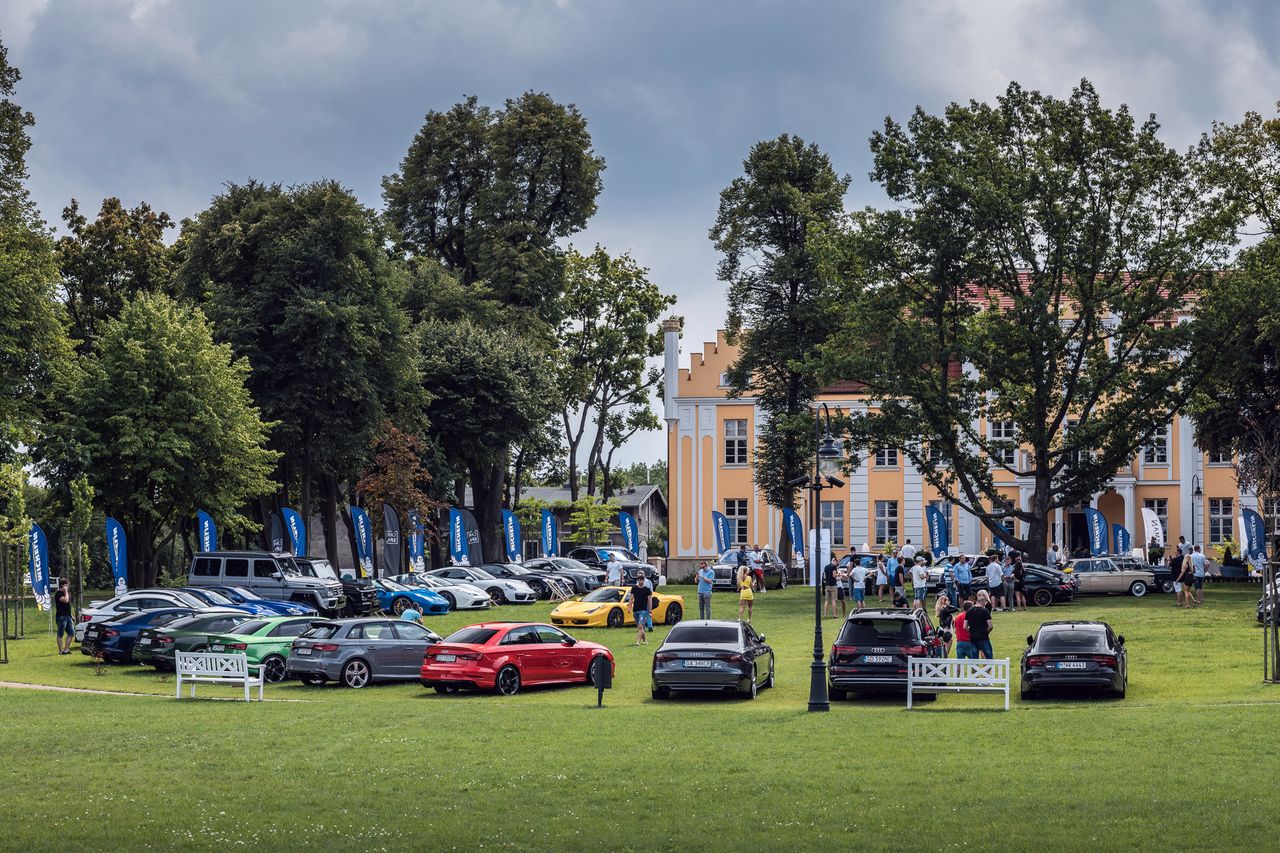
column 896, row 613
column 710, row 623
column 1075, row 623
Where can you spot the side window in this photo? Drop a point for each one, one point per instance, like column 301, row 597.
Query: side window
column 520, row 636
column 129, row 605
column 206, row 567
column 237, row 568
column 264, row 568
column 411, row 631
column 165, row 618
column 547, row 634
column 290, row 629
column 219, row 626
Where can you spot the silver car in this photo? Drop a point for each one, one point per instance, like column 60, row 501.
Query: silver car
column 357, row 652
column 132, row 602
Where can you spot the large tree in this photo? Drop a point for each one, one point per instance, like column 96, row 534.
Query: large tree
column 299, row 282
column 487, row 193
column 778, row 302
column 608, row 338
column 158, row 419
column 1029, row 277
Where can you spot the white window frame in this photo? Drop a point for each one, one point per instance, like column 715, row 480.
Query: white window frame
column 886, row 457
column 886, row 522
column 1156, row 452
column 737, row 511
column 831, row 517
column 1221, row 519
column 1270, row 510
column 736, row 450
column 1215, row 459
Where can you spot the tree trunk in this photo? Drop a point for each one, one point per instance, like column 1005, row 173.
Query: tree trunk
column 330, row 512
column 486, row 494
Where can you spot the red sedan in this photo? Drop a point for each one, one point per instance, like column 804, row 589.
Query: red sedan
column 505, row 656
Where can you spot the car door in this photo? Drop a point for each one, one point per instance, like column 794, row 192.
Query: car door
column 558, row 658
column 751, row 650
column 267, row 580
column 378, row 644
column 414, row 642
column 521, row 646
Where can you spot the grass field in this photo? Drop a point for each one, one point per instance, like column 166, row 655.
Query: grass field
column 1188, row 760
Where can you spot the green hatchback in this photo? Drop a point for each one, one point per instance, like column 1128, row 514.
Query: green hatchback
column 158, row 646
column 265, row 642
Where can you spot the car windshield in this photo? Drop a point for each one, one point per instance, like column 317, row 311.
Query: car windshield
column 482, row 575
column 472, row 636
column 1073, row 639
column 567, row 563
column 517, row 570
column 431, row 581
column 604, row 595
column 322, row 569
column 287, row 565
column 719, row 635
column 215, row 597
column 321, row 631
column 869, row 630
column 247, row 594
column 391, row 586
column 619, row 553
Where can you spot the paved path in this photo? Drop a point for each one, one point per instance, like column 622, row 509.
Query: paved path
column 19, row 685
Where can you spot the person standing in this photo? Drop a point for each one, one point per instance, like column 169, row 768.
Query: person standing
column 964, row 578
column 898, row 577
column 842, row 589
column 1197, row 573
column 639, row 604
column 882, row 579
column 919, row 582
column 1019, row 584
column 944, row 614
column 1176, row 566
column 706, row 579
column 908, row 552
column 1006, row 572
column 995, row 583
column 757, row 566
column 949, row 581
column 829, row 588
column 1053, row 557
column 978, row 621
column 858, row 581
column 613, row 570
column 62, row 615
column 960, row 623
column 745, row 599
column 1183, row 548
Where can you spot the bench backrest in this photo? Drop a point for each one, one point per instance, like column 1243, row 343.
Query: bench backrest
column 206, row 663
column 958, row 671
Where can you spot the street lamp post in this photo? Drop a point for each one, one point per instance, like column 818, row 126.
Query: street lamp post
column 826, row 463
column 1196, row 493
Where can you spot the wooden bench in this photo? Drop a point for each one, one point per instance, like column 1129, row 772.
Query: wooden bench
column 958, row 675
column 206, row 668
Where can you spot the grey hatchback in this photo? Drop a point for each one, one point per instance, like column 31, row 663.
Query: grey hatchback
column 358, row 652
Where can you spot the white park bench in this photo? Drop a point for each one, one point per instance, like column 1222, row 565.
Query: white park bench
column 958, row 675
column 206, row 668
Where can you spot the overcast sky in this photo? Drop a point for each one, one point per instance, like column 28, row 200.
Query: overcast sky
column 165, row 101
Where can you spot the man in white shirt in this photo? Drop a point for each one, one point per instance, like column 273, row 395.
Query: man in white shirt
column 613, row 571
column 919, row 582
column 995, row 584
column 1052, row 558
column 908, row 552
column 858, row 581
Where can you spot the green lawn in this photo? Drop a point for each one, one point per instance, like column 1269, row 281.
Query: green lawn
column 1188, row 760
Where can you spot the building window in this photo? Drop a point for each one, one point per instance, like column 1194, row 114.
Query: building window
column 832, row 516
column 886, row 457
column 735, row 442
column 1271, row 515
column 886, row 522
column 1156, row 452
column 1221, row 456
column 1004, row 431
column 1220, row 521
column 1160, row 506
column 724, row 380
column 936, row 457
column 735, row 510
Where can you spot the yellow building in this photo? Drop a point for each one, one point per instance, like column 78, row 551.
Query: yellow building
column 711, row 440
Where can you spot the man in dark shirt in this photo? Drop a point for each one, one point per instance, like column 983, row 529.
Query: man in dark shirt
column 978, row 621
column 640, row 594
column 829, row 588
column 62, row 615
column 1175, row 571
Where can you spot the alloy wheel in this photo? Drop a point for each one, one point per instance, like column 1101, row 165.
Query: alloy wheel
column 273, row 669
column 508, row 681
column 355, row 674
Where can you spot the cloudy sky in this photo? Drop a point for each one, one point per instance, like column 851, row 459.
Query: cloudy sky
column 164, row 101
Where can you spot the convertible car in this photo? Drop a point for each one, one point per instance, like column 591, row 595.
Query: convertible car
column 607, row 607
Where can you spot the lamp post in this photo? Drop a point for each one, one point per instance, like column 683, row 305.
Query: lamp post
column 826, row 463
column 1196, row 493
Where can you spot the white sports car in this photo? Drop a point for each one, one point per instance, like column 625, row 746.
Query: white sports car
column 132, row 602
column 501, row 590
column 461, row 596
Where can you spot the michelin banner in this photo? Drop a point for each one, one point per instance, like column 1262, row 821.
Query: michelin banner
column 206, row 531
column 38, row 549
column 118, row 555
column 550, row 534
column 1096, row 522
column 512, row 541
column 364, row 540
column 721, row 526
column 297, row 532
column 795, row 530
column 939, row 534
column 630, row 532
column 458, row 550
column 416, row 540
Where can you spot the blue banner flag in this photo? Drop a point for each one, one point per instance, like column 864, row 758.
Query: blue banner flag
column 1121, row 541
column 1097, row 525
column 458, row 546
column 206, row 531
column 512, row 541
column 416, row 541
column 550, row 534
column 296, row 530
column 118, row 555
column 364, row 540
column 721, row 526
column 1255, row 530
column 795, row 530
column 939, row 531
column 39, row 560
column 630, row 532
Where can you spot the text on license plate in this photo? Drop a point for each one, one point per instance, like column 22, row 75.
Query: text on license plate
column 1071, row 664
column 145, row 641
column 304, row 651
column 877, row 658
column 704, row 663
column 446, row 658
column 217, row 649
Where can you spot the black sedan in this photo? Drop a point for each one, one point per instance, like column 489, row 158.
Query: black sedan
column 544, row 584
column 709, row 655
column 1044, row 586
column 1075, row 656
column 112, row 639
column 584, row 577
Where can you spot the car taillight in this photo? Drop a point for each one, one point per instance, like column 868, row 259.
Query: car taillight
column 734, row 658
column 240, row 646
column 1064, row 586
column 325, row 647
column 913, row 650
column 85, row 617
column 663, row 657
column 164, row 639
column 469, row 656
column 111, row 632
column 1037, row 660
column 1105, row 660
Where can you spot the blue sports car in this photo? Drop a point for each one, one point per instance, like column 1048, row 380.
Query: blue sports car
column 113, row 638
column 240, row 595
column 214, row 598
column 396, row 598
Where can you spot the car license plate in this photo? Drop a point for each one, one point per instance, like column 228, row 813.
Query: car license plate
column 703, row 663
column 877, row 659
column 145, row 641
column 304, row 651
column 217, row 649
column 1071, row 664
column 446, row 658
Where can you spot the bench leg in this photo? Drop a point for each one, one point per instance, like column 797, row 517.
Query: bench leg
column 909, row 692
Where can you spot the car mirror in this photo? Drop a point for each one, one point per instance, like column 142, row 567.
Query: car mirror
column 762, row 638
column 1030, row 640
column 277, row 576
column 570, row 641
column 1120, row 640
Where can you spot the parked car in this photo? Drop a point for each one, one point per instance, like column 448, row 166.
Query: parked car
column 506, row 656
column 712, row 655
column 1102, row 575
column 273, row 576
column 132, row 602
column 1044, row 586
column 870, row 585
column 871, row 651
column 113, row 638
column 158, row 646
column 1075, row 655
column 361, row 597
column 597, row 556
column 265, row 642
column 460, row 596
column 396, row 598
column 240, row 595
column 1163, row 574
column 607, row 607
column 357, row 652
column 501, row 590
column 726, row 569
column 544, row 584
column 215, row 598
column 583, row 576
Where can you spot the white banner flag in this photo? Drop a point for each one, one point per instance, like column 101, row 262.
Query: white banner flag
column 1151, row 524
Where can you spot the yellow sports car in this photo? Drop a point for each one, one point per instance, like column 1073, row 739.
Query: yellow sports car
column 607, row 606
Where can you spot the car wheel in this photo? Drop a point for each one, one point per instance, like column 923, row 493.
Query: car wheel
column 453, row 602
column 836, row 694
column 769, row 682
column 754, row 690
column 273, row 669
column 1138, row 589
column 1166, row 586
column 200, row 649
column 616, row 619
column 660, row 693
column 399, row 606
column 446, row 689
column 498, row 595
column 1042, row 597
column 674, row 613
column 508, row 681
column 1124, row 687
column 782, row 579
column 356, row 674
column 312, row 680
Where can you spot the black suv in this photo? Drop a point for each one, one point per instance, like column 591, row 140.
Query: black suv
column 362, row 598
column 871, row 651
column 597, row 557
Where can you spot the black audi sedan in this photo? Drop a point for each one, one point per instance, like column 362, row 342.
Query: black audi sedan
column 709, row 655
column 1075, row 656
